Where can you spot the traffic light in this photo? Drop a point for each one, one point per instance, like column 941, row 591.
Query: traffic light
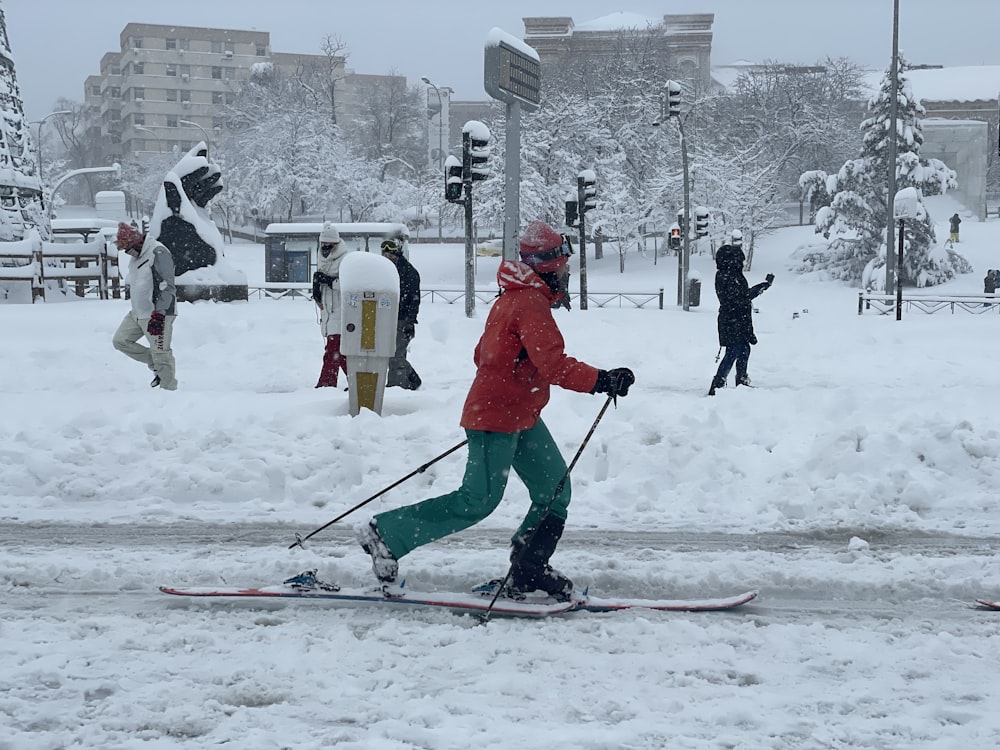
column 673, row 99
column 681, row 221
column 453, row 180
column 674, row 238
column 476, row 149
column 586, row 184
column 701, row 222
column 571, row 213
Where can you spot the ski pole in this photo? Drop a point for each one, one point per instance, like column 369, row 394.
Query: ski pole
column 299, row 539
column 485, row 616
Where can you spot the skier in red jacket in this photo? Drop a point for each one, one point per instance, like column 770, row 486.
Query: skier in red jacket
column 519, row 356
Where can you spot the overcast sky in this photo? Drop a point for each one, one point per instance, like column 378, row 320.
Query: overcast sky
column 57, row 43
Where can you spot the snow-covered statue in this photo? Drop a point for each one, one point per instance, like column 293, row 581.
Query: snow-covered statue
column 182, row 221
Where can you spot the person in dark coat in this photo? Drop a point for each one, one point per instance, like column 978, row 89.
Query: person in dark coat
column 401, row 372
column 735, row 323
column 954, row 221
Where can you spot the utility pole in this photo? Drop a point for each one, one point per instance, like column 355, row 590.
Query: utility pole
column 892, row 274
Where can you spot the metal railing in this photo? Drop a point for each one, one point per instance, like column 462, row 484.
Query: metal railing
column 278, row 290
column 884, row 304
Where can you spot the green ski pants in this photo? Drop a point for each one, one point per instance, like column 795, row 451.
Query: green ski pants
column 532, row 454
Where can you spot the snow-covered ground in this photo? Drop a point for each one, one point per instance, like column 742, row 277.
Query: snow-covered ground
column 856, row 487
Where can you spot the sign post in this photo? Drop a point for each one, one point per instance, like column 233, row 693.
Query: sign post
column 512, row 74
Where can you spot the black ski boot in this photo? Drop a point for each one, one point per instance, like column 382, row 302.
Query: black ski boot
column 530, row 569
column 716, row 384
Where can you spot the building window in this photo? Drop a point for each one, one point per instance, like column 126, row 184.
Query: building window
column 171, row 95
column 139, row 118
column 217, row 97
column 171, row 43
column 139, row 93
column 185, row 96
column 115, row 92
column 139, row 68
column 216, row 47
column 185, row 70
column 95, row 89
column 217, row 72
column 171, row 69
column 116, row 114
column 230, row 74
column 116, row 70
column 184, row 44
column 137, row 42
column 261, row 50
column 230, row 46
column 216, row 122
column 171, row 121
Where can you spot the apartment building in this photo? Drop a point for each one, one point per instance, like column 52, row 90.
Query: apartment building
column 167, row 86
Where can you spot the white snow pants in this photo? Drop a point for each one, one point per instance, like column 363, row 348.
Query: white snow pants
column 158, row 356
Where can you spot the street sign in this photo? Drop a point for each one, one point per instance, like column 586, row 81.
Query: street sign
column 512, row 71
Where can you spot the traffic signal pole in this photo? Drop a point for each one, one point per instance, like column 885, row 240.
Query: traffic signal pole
column 684, row 259
column 581, row 199
column 470, row 258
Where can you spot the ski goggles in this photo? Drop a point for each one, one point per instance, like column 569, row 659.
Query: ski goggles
column 545, row 258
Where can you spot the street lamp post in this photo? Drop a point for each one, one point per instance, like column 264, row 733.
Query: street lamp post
column 159, row 143
column 41, row 122
column 116, row 168
column 437, row 91
column 203, row 132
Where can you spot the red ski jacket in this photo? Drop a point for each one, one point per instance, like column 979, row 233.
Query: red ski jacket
column 519, row 355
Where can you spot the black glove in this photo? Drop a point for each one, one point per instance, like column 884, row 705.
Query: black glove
column 155, row 325
column 614, row 382
column 769, row 279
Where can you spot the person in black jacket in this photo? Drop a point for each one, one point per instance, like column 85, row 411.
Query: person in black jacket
column 401, row 372
column 735, row 323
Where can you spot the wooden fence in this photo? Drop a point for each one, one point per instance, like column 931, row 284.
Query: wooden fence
column 86, row 267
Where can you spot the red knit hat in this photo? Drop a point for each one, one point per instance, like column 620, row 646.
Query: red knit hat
column 543, row 248
column 128, row 236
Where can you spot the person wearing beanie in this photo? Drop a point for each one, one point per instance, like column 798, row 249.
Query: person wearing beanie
column 154, row 306
column 518, row 358
column 401, row 372
column 326, row 295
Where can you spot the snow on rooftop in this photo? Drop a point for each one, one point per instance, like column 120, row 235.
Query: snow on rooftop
column 961, row 83
column 618, row 20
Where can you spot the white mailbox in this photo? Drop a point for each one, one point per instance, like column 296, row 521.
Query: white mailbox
column 369, row 294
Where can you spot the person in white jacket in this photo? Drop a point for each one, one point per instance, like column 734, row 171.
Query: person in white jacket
column 326, row 294
column 154, row 306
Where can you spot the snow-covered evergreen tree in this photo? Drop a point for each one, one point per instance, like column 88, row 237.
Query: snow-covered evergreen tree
column 21, row 205
column 854, row 222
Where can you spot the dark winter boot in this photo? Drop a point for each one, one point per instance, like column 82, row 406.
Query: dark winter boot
column 530, row 569
column 717, row 383
column 744, row 380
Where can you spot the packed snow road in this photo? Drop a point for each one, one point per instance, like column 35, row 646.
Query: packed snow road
column 819, row 571
column 856, row 642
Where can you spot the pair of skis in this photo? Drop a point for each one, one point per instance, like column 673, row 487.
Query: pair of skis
column 305, row 586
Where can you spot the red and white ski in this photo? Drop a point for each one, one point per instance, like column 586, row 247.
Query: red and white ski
column 472, row 603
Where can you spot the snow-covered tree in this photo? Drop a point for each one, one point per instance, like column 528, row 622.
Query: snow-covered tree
column 854, row 222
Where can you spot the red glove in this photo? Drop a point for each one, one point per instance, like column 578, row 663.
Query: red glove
column 155, row 327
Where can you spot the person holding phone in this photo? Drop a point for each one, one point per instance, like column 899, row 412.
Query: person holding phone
column 735, row 314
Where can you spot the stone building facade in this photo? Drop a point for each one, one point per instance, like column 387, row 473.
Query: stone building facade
column 683, row 41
